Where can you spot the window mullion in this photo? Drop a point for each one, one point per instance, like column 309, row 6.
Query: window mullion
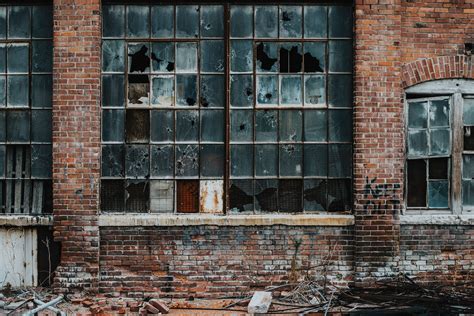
column 456, row 174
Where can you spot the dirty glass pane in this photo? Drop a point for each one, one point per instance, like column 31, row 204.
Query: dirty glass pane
column 438, row 193
column 241, row 56
column 19, row 22
column 291, row 125
column 3, row 91
column 113, row 56
column 186, row 90
column 314, row 57
column 266, row 21
column 17, row 91
column 241, row 126
column 162, row 92
column 113, row 125
column 266, row 195
column 417, row 143
column 468, row 112
column 41, row 91
column 113, row 21
column 41, row 161
column 213, row 91
column 18, row 126
column 138, row 90
column 162, row 126
column 212, row 126
column 2, row 162
column 112, row 90
column 439, row 113
column 41, row 126
column 340, row 21
column 468, row 192
column 468, row 138
column 267, row 90
column 241, row 21
column 315, row 20
column 3, row 126
column 314, row 195
column 315, row 125
column 187, row 21
column 212, row 21
column 187, row 125
column 241, row 195
column 339, row 194
column 316, row 160
column 137, row 194
column 267, row 57
column 340, row 160
column 416, row 183
column 187, row 160
column 138, row 21
column 42, row 56
column 340, row 56
column 3, row 58
column 161, row 196
column 212, row 160
column 241, row 90
column 266, row 160
column 290, row 195
column 438, row 168
column 186, row 57
column 112, row 161
column 112, row 195
column 162, row 161
column 18, row 60
column 291, row 57
column 3, row 22
column 315, row 90
column 417, row 114
column 290, row 21
column 212, row 56
column 440, row 141
column 266, row 125
column 137, row 126
column 137, row 161
column 162, row 57
column 340, row 125
column 139, row 57
column 162, row 21
column 468, row 166
column 340, row 91
column 291, row 160
column 241, row 160
column 291, row 90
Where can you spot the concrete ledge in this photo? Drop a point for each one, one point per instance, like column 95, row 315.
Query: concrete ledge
column 437, row 219
column 224, row 220
column 26, row 220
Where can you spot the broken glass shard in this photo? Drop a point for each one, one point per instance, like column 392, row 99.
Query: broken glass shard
column 212, row 161
column 19, row 25
column 113, row 56
column 291, row 122
column 266, row 195
column 468, row 111
column 241, row 126
column 314, row 57
column 241, row 90
column 186, row 57
column 267, row 90
column 315, row 125
column 162, row 126
column 42, row 60
column 187, row 125
column 112, row 195
column 340, row 91
column 267, row 57
column 162, row 160
column 186, row 90
column 315, row 90
column 113, row 21
column 339, row 195
column 187, row 21
column 440, row 141
column 212, row 21
column 417, row 143
column 315, row 21
column 137, row 161
column 266, row 160
column 161, row 196
column 291, row 160
column 212, row 125
column 314, row 195
column 316, row 160
column 438, row 192
column 212, row 91
column 416, row 183
column 41, row 161
column 113, row 125
column 241, row 195
column 438, row 168
column 187, row 160
column 340, row 125
column 17, row 91
column 41, row 126
column 266, row 126
column 18, row 126
column 18, row 61
column 241, row 21
column 340, row 21
column 112, row 160
column 291, row 21
column 138, row 90
column 266, row 21
column 138, row 21
column 340, row 160
column 162, row 21
column 340, row 56
column 241, row 56
column 290, row 195
column 212, row 56
column 137, row 193
column 162, row 92
column 241, row 160
column 162, row 57
column 139, row 57
column 112, row 91
column 291, row 57
column 137, row 126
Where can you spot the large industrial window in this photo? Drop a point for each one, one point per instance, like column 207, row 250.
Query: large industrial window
column 226, row 108
column 25, row 109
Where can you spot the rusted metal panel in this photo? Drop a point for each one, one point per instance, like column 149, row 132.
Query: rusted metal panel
column 187, row 196
column 211, row 196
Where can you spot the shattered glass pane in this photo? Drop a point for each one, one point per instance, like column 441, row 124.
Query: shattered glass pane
column 162, row 126
column 113, row 56
column 468, row 112
column 3, row 22
column 340, row 91
column 468, row 166
column 266, row 160
column 339, row 194
column 290, row 21
column 137, row 161
column 17, row 91
column 162, row 161
column 314, row 195
column 112, row 90
column 241, row 160
column 136, row 194
column 186, row 90
column 340, row 125
column 186, row 57
column 212, row 161
column 187, row 160
column 212, row 56
column 113, row 21
column 316, row 160
column 139, row 57
column 241, row 195
column 138, row 21
column 212, row 125
column 18, row 126
column 315, row 90
column 19, row 22
column 340, row 160
column 340, row 21
column 41, row 161
column 266, row 125
column 291, row 125
column 41, row 91
column 314, row 57
column 290, row 195
column 241, row 126
column 187, row 125
column 291, row 90
column 241, row 90
column 340, row 56
column 468, row 137
column 137, row 129
column 438, row 168
column 418, row 143
column 18, row 57
column 212, row 91
column 416, row 183
column 162, row 93
column 41, row 126
column 112, row 161
column 468, row 192
column 112, row 195
column 3, row 58
column 162, row 21
column 438, row 192
column 267, row 57
column 113, row 125
column 187, row 21
column 187, row 193
column 42, row 56
column 266, row 21
column 241, row 21
column 212, row 21
column 161, row 196
column 291, row 57
column 291, row 160
column 315, row 125
column 162, row 57
column 241, row 56
column 418, row 114
column 440, row 141
column 266, row 195
column 315, row 19
column 267, row 90
column 439, row 113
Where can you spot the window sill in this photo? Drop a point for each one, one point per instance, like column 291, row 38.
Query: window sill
column 26, row 220
column 464, row 219
column 224, row 220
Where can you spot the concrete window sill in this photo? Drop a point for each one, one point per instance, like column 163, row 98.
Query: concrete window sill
column 465, row 219
column 26, row 220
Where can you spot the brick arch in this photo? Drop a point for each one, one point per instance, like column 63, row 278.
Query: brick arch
column 441, row 67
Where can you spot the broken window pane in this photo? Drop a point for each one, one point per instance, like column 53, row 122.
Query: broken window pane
column 41, row 91
column 41, row 161
column 18, row 58
column 241, row 56
column 314, row 195
column 416, row 183
column 241, row 195
column 113, row 125
column 212, row 21
column 19, row 22
column 267, row 57
column 290, row 195
column 291, row 160
column 266, row 195
column 187, row 193
column 212, row 56
column 212, row 91
column 112, row 196
column 314, row 57
column 266, row 21
column 290, row 21
column 138, row 18
column 113, row 21
column 266, row 125
column 162, row 161
column 162, row 21
column 137, row 193
column 439, row 113
column 187, row 125
column 113, row 161
column 440, row 141
column 340, row 56
column 42, row 60
column 137, row 161
column 340, row 160
column 186, row 90
column 438, row 192
column 187, row 21
column 241, row 126
column 112, row 90
column 266, row 160
column 212, row 161
column 315, row 90
column 17, row 91
column 316, row 160
column 315, row 125
column 41, row 126
column 340, row 125
column 138, row 90
column 241, row 21
column 340, row 91
column 139, row 57
column 241, row 160
column 291, row 90
column 418, row 143
column 161, row 196
column 340, row 21
column 267, row 90
column 162, row 91
column 468, row 192
column 438, row 168
column 162, row 126
column 291, row 57
column 315, row 20
column 339, row 194
column 468, row 112
column 241, row 91
column 187, row 160
column 113, row 56
column 18, row 126
column 137, row 129
column 162, row 57
column 468, row 138
column 291, row 125
column 212, row 125
column 468, row 166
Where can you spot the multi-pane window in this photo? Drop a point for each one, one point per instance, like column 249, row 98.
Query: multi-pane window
column 25, row 109
column 201, row 114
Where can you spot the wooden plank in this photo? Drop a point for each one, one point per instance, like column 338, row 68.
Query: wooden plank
column 37, row 204
column 18, row 175
column 26, row 196
column 8, row 196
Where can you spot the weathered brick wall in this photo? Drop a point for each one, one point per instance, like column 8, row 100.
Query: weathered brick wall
column 211, row 261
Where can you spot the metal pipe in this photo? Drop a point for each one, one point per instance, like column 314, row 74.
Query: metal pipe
column 44, row 306
column 51, row 308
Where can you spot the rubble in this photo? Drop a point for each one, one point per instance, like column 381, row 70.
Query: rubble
column 260, row 302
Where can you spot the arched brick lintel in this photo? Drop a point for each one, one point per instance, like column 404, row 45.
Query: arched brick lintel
column 441, row 67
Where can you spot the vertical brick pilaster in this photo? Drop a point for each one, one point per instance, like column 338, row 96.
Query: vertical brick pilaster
column 76, row 138
column 378, row 138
